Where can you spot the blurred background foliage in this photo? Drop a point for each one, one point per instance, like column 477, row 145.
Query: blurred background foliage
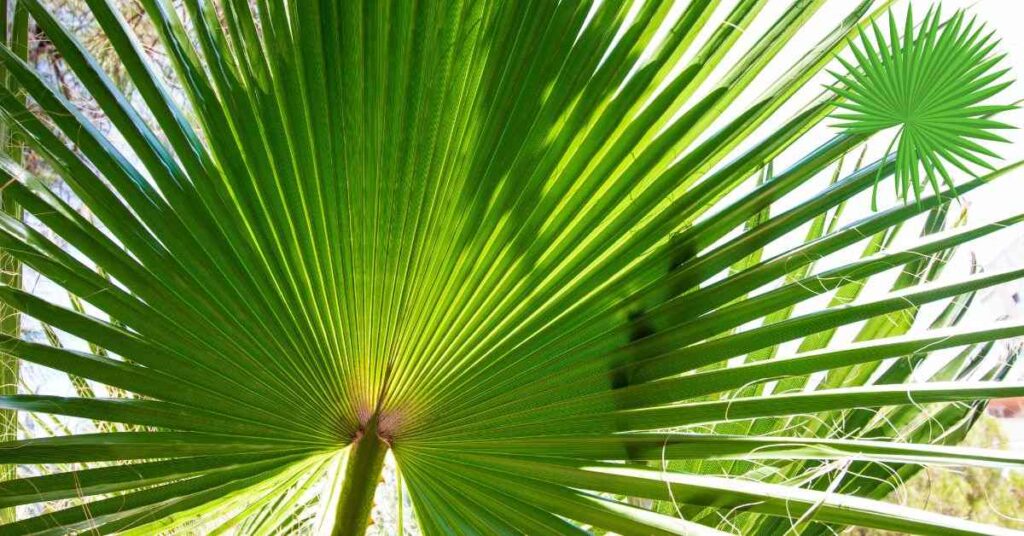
column 76, row 16
column 985, row 495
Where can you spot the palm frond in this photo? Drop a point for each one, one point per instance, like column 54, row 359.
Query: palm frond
column 935, row 86
column 540, row 253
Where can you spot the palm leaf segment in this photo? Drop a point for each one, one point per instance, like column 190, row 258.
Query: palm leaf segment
column 935, row 86
column 482, row 236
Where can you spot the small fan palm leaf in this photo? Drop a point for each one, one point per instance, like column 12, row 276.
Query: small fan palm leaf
column 935, row 86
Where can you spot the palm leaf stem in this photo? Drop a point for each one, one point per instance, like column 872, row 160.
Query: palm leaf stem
column 362, row 473
column 15, row 35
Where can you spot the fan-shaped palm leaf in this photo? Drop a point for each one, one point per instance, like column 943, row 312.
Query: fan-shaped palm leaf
column 516, row 244
column 935, row 86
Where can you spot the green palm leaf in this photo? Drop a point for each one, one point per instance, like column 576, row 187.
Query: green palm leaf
column 934, row 85
column 539, row 255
